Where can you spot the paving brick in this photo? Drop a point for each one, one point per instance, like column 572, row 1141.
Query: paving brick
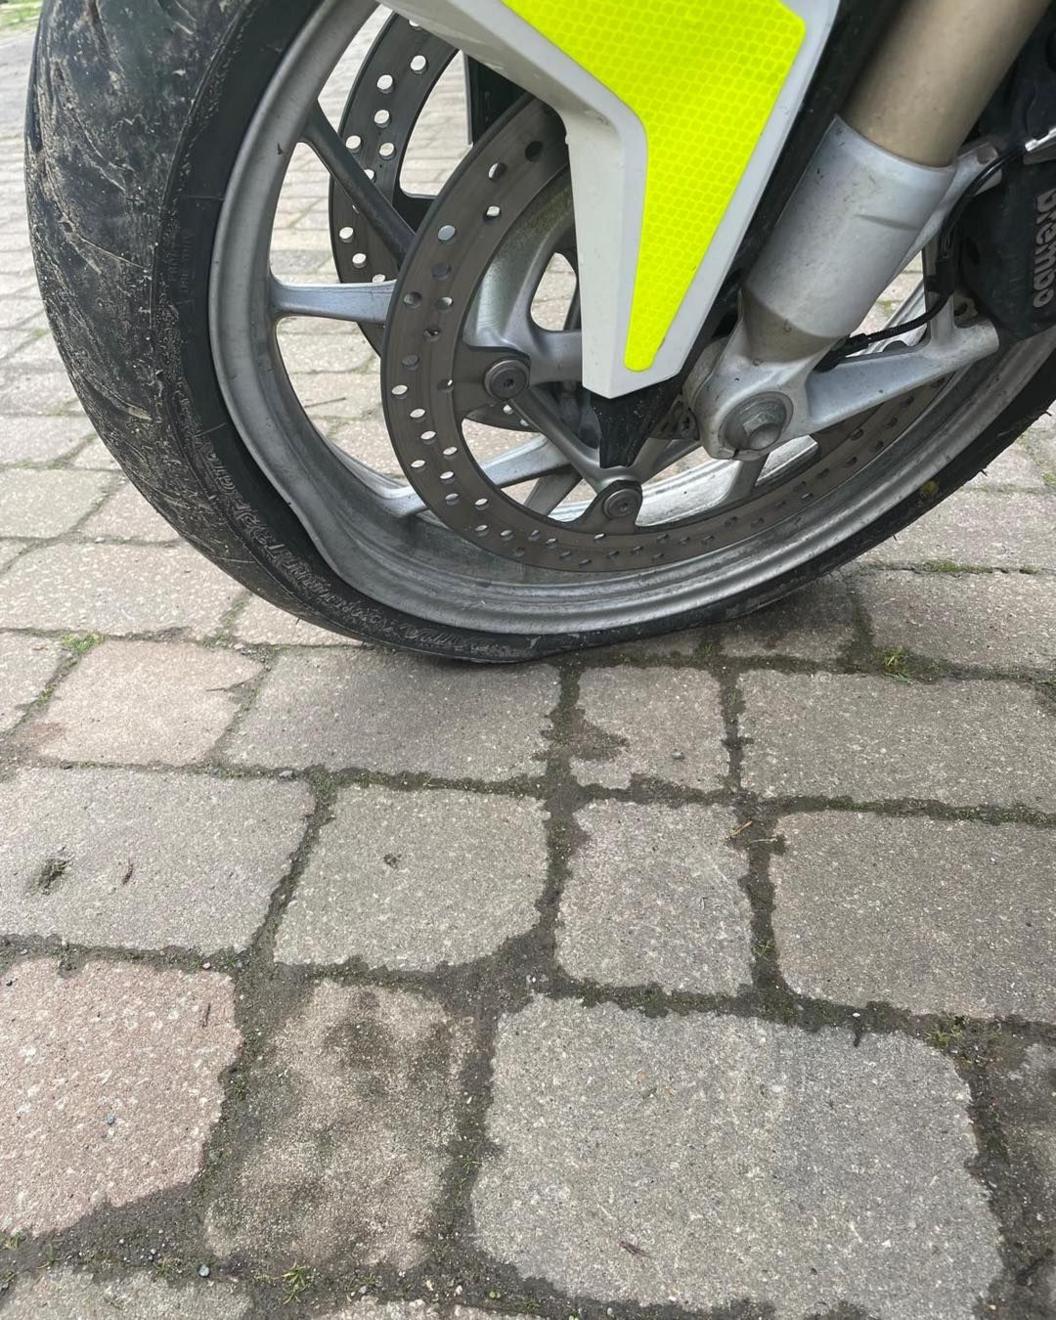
column 377, row 711
column 348, row 1122
column 343, row 394
column 653, row 898
column 17, row 286
column 370, row 1309
column 660, row 723
column 36, row 392
column 12, row 340
column 111, row 1085
column 343, row 352
column 1041, row 442
column 62, row 1294
column 995, row 620
column 143, row 861
column 414, row 880
column 26, row 665
column 46, row 503
column 704, row 1161
column 40, row 353
column 15, row 312
column 40, row 439
column 933, row 916
column 368, row 440
column 977, row 530
column 1015, row 467
column 870, row 739
column 127, row 516
column 815, row 624
column 96, row 456
column 134, row 703
column 683, row 644
column 261, row 623
column 1025, row 1103
column 9, row 551
column 115, row 589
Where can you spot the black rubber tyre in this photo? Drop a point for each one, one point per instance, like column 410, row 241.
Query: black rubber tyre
column 136, row 115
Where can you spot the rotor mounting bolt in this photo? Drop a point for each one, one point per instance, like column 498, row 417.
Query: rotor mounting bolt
column 622, row 504
column 506, row 379
column 758, row 424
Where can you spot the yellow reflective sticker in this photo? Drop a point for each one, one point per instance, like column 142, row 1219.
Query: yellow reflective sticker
column 703, row 77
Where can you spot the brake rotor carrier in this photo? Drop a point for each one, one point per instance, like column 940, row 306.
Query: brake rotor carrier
column 433, row 379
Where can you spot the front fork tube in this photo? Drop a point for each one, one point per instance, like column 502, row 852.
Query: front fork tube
column 858, row 215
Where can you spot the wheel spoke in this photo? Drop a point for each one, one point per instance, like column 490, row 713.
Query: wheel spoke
column 539, row 411
column 550, row 491
column 745, row 479
column 383, row 218
column 537, row 458
column 363, row 303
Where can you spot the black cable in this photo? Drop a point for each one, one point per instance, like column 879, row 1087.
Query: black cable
column 943, row 281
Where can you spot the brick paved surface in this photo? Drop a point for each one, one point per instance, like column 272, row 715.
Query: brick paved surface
column 710, row 979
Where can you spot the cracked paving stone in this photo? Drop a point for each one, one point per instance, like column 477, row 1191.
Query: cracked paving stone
column 63, row 1294
column 660, row 723
column 370, row 709
column 417, row 879
column 871, row 739
column 653, row 898
column 115, row 589
column 26, row 665
column 141, row 702
column 345, row 1137
column 48, row 502
column 815, row 624
column 703, row 1161
column 977, row 530
column 144, row 861
column 112, row 1085
column 1005, row 621
column 932, row 916
column 1025, row 1097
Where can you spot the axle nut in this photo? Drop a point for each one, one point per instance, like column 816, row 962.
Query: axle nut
column 506, row 379
column 758, row 424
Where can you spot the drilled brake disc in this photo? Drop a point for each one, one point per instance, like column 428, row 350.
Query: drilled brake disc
column 391, row 90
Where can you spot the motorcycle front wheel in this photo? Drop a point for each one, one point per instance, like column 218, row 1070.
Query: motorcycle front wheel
column 164, row 144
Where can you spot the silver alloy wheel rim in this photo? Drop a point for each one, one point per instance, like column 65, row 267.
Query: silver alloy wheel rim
column 410, row 563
